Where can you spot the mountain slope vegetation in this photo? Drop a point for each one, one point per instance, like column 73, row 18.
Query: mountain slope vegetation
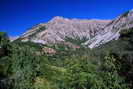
column 106, row 67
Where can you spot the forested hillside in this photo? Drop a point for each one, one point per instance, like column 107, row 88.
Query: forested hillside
column 26, row 65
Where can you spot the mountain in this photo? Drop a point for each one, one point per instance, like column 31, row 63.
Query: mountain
column 96, row 32
column 59, row 28
column 111, row 30
column 13, row 38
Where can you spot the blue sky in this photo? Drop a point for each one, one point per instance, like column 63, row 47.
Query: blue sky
column 16, row 16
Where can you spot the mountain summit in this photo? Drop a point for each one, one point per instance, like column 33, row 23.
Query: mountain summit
column 96, row 32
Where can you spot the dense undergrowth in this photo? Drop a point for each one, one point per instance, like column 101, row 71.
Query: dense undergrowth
column 107, row 67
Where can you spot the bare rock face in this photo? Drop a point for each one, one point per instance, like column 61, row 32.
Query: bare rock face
column 58, row 28
column 96, row 31
column 111, row 30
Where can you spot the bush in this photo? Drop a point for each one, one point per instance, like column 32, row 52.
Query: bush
column 101, row 68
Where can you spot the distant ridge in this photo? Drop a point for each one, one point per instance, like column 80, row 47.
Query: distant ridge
column 96, row 31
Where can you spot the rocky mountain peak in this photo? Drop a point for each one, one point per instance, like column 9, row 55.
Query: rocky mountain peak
column 112, row 29
column 96, row 32
column 58, row 18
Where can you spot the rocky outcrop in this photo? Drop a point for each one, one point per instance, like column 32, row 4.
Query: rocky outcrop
column 111, row 31
column 47, row 50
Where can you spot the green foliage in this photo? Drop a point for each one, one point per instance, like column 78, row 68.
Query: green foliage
column 110, row 74
column 101, row 68
column 29, row 43
column 76, row 40
column 3, row 50
column 23, row 69
column 122, row 50
column 3, row 39
column 40, row 29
